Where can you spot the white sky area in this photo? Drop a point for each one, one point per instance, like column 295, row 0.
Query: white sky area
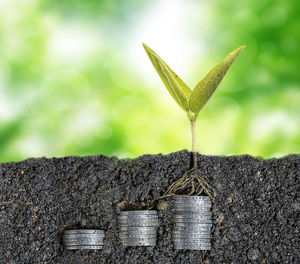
column 165, row 28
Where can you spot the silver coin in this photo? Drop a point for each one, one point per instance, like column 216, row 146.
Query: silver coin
column 145, row 219
column 85, row 247
column 181, row 206
column 187, row 198
column 192, row 247
column 138, row 228
column 191, row 240
column 84, row 231
column 207, row 215
column 84, row 242
column 141, row 228
column 191, row 231
column 192, row 205
column 139, row 244
column 78, row 236
column 137, row 233
column 137, row 236
column 195, row 231
column 191, row 209
column 140, row 224
column 137, row 217
column 83, row 238
column 193, row 202
column 191, row 197
column 192, row 221
column 193, row 214
column 139, row 212
column 189, row 235
column 138, row 240
column 192, row 225
column 191, row 243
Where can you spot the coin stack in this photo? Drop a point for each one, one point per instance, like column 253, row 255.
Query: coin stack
column 83, row 239
column 192, row 222
column 138, row 228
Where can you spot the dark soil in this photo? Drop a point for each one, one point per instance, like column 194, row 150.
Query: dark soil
column 255, row 213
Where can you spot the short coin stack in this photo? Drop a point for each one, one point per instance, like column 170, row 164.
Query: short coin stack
column 138, row 228
column 192, row 222
column 83, row 239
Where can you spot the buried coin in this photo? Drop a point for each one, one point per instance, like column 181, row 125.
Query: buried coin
column 139, row 212
column 189, row 246
column 84, row 231
column 189, row 215
column 73, row 247
column 185, row 208
column 139, row 240
column 192, row 220
column 191, row 199
column 191, row 240
column 139, row 244
column 129, row 236
column 83, row 241
column 139, row 223
column 138, row 229
column 199, row 226
column 137, row 217
column 191, row 235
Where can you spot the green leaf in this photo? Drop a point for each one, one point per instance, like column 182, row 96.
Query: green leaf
column 176, row 87
column 207, row 86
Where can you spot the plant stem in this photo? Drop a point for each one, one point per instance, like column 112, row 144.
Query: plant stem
column 194, row 142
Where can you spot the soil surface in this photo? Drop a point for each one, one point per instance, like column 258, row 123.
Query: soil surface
column 255, row 213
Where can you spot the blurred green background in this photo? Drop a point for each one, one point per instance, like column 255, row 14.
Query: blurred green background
column 75, row 80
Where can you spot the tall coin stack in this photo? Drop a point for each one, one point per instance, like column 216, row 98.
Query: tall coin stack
column 83, row 239
column 192, row 222
column 138, row 228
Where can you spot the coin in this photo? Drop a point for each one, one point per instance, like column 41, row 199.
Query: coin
column 73, row 247
column 188, row 208
column 84, row 231
column 83, row 240
column 188, row 246
column 138, row 212
column 139, row 223
column 189, row 235
column 137, row 217
column 138, row 240
column 191, row 240
column 128, row 236
column 191, row 199
column 195, row 220
column 139, row 244
column 192, row 225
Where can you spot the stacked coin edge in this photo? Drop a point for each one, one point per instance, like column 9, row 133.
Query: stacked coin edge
column 192, row 222
column 138, row 228
column 83, row 239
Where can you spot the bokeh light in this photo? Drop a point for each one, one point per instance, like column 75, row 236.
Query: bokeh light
column 75, row 79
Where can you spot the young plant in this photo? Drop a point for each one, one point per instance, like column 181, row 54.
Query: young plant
column 192, row 102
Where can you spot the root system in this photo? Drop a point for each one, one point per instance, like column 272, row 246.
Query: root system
column 191, row 183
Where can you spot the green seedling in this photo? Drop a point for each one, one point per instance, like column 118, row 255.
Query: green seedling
column 192, row 102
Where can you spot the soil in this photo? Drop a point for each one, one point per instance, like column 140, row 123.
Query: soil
column 255, row 213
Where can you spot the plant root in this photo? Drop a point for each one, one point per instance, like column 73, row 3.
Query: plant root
column 191, row 183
